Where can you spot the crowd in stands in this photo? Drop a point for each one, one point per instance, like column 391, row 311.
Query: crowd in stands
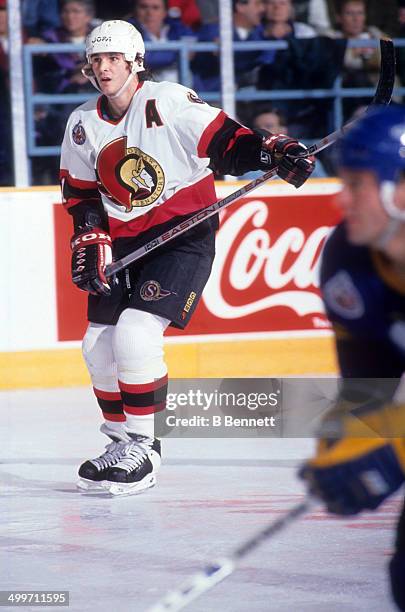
column 316, row 32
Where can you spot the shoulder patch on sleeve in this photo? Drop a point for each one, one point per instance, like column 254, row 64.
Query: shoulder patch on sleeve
column 79, row 133
column 342, row 296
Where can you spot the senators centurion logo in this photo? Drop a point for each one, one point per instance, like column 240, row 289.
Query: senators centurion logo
column 129, row 176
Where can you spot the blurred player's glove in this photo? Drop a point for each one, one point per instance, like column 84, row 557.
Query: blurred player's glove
column 279, row 150
column 352, row 473
column 91, row 253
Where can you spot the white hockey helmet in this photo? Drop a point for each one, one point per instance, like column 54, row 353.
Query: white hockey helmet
column 117, row 37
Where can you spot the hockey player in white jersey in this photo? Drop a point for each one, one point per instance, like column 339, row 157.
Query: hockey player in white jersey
column 136, row 161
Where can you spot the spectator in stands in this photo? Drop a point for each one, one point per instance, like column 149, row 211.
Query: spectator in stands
column 352, row 20
column 361, row 64
column 309, row 62
column 268, row 119
column 279, row 25
column 39, row 15
column 247, row 15
column 208, row 10
column 187, row 11
column 313, row 12
column 61, row 72
column 5, row 116
column 279, row 22
column 151, row 19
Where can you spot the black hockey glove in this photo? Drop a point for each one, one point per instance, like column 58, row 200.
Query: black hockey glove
column 91, row 253
column 279, row 150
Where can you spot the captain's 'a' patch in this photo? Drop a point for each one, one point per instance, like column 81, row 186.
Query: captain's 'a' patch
column 152, row 114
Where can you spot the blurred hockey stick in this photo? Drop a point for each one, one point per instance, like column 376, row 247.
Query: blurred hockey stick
column 214, row 573
column 382, row 97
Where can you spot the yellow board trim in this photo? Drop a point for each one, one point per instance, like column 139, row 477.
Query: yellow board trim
column 236, row 182
column 37, row 188
column 237, row 359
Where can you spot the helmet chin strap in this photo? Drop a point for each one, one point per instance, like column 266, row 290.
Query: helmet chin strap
column 396, row 216
column 123, row 88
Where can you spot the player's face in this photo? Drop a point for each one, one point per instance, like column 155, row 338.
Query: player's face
column 360, row 202
column 111, row 70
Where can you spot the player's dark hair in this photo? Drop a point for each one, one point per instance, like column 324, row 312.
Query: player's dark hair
column 145, row 75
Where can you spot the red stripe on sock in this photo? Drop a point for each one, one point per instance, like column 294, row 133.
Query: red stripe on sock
column 117, row 418
column 140, row 411
column 144, row 387
column 111, row 396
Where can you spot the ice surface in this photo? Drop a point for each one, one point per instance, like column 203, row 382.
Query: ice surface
column 123, row 554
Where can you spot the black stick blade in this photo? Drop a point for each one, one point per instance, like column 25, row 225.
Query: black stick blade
column 386, row 81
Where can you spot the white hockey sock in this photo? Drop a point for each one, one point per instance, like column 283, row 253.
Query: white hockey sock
column 142, row 372
column 98, row 354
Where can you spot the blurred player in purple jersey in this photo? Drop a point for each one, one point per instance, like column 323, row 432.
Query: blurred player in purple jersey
column 360, row 459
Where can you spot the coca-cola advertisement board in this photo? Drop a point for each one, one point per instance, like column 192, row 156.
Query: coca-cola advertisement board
column 265, row 274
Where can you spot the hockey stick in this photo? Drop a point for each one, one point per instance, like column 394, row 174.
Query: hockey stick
column 382, row 97
column 214, row 573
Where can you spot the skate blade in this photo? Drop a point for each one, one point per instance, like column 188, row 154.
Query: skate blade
column 121, row 488
column 90, row 486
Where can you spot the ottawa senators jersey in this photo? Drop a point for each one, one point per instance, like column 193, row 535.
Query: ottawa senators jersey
column 365, row 301
column 151, row 165
column 143, row 160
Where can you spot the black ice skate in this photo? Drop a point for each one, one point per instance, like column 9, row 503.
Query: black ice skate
column 136, row 470
column 92, row 473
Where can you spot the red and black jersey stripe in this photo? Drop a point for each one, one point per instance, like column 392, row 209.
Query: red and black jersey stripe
column 80, row 197
column 231, row 147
